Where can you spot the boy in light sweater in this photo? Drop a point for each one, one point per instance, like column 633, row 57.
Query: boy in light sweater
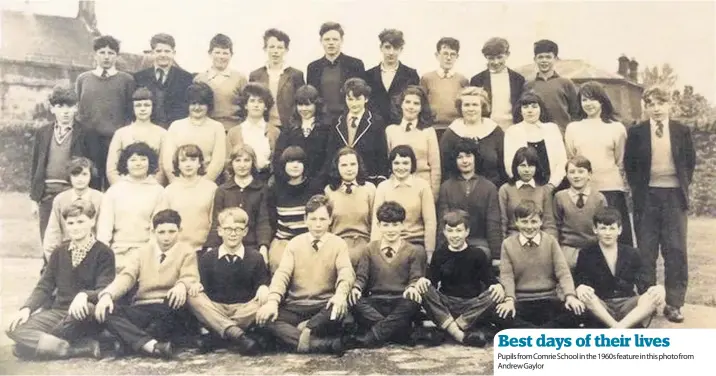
column 163, row 271
column 444, row 84
column 531, row 268
column 574, row 209
column 384, row 297
column 313, row 280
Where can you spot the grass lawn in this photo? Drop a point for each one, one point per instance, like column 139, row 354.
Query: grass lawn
column 19, row 237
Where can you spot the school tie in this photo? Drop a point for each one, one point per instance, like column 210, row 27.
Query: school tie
column 531, row 243
column 315, row 245
column 230, row 258
column 388, row 252
column 659, row 129
column 349, row 188
column 445, row 73
column 408, row 127
column 354, row 122
column 307, row 132
column 160, row 76
column 162, row 257
column 105, row 74
column 580, row 201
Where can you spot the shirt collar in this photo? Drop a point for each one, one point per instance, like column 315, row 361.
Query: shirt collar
column 349, row 116
column 313, row 238
column 441, row 73
column 652, row 122
column 413, row 124
column 473, row 177
column 59, row 128
column 575, row 195
column 388, row 70
column 310, row 122
column 337, row 60
column 166, row 70
column 520, row 183
column 464, row 247
column 110, row 71
column 211, row 72
column 241, row 251
column 84, row 247
column 396, row 246
column 523, row 239
column 281, row 69
column 84, row 196
column 408, row 182
column 541, row 76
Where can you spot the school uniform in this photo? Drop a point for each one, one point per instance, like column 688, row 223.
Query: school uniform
column 311, row 272
column 512, row 194
column 312, row 137
column 573, row 213
column 209, row 136
column 328, row 78
column 152, row 135
column 253, row 199
column 72, row 268
column 366, row 135
column 659, row 163
column 504, row 93
column 283, row 88
column 559, row 95
column 614, row 281
column 230, row 282
column 56, row 232
column 154, row 273
column 352, row 215
column 387, row 86
column 424, row 143
column 226, row 86
column 531, row 270
column 550, row 149
column 442, row 87
column 193, row 200
column 168, row 89
column 382, row 276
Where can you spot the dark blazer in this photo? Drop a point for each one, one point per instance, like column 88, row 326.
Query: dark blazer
column 592, row 270
column 350, row 67
column 517, row 83
column 370, row 143
column 637, row 160
column 289, row 81
column 170, row 101
column 81, row 146
column 384, row 102
column 314, row 145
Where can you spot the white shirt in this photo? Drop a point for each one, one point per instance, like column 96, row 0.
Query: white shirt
column 165, row 70
column 274, row 75
column 254, row 134
column 395, row 247
column 110, row 72
column 387, row 75
column 313, row 239
column 442, row 73
column 574, row 195
column 523, row 239
column 520, row 183
column 517, row 136
column 241, row 251
column 464, row 247
column 413, row 125
column 307, row 125
column 351, row 130
column 501, row 102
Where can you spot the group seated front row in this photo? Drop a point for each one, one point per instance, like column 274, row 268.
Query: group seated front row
column 315, row 302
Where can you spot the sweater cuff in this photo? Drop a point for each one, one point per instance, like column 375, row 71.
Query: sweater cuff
column 274, row 297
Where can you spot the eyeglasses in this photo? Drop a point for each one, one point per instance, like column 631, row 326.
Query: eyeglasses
column 233, row 230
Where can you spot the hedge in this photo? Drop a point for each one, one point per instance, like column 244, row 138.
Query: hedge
column 16, row 150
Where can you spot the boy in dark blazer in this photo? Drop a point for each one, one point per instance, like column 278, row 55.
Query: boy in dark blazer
column 659, row 160
column 388, row 79
column 288, row 79
column 362, row 130
column 329, row 73
column 55, row 145
column 503, row 85
column 166, row 81
column 607, row 274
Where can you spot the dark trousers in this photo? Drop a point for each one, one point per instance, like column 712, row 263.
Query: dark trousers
column 291, row 314
column 662, row 225
column 102, row 142
column 44, row 206
column 39, row 330
column 618, row 200
column 138, row 324
column 386, row 317
column 465, row 312
column 544, row 313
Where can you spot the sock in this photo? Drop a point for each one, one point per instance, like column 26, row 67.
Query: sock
column 149, row 346
column 233, row 332
column 456, row 332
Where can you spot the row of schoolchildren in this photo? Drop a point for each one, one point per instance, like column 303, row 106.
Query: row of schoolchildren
column 315, row 294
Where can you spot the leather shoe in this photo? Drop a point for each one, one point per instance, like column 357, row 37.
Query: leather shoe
column 475, row 338
column 163, row 350
column 244, row 345
column 673, row 314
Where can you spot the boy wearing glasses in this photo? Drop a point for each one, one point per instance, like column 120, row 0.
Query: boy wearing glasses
column 234, row 282
column 444, row 84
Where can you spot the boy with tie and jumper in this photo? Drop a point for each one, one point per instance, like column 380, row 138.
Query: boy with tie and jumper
column 362, row 130
column 234, row 282
column 444, row 84
column 105, row 101
column 313, row 280
column 574, row 209
column 384, row 296
column 659, row 160
column 163, row 271
column 607, row 274
column 532, row 267
column 461, row 290
column 76, row 272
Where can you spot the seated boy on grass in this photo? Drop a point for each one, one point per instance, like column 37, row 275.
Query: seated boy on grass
column 532, row 268
column 607, row 275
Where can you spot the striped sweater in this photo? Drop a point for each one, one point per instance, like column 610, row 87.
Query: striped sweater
column 287, row 205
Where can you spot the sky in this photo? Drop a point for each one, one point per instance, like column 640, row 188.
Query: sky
column 681, row 33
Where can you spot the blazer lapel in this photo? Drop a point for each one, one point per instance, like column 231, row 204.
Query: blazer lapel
column 283, row 79
column 488, row 84
column 365, row 123
column 675, row 139
column 399, row 74
column 342, row 129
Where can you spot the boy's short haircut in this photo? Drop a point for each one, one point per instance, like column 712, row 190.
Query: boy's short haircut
column 166, row 216
column 63, row 95
column 496, row 46
column 579, row 161
column 393, row 37
column 448, row 42
column 319, row 201
column 162, row 38
column 356, row 87
column 78, row 164
column 106, row 41
column 221, row 41
column 238, row 215
column 138, row 148
column 656, row 94
column 200, row 92
column 79, row 207
column 456, row 217
column 607, row 216
column 238, row 150
column 142, row 94
column 259, row 90
column 526, row 209
column 279, row 35
column 545, row 46
column 188, row 151
column 403, row 151
column 390, row 212
column 474, row 91
column 328, row 26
